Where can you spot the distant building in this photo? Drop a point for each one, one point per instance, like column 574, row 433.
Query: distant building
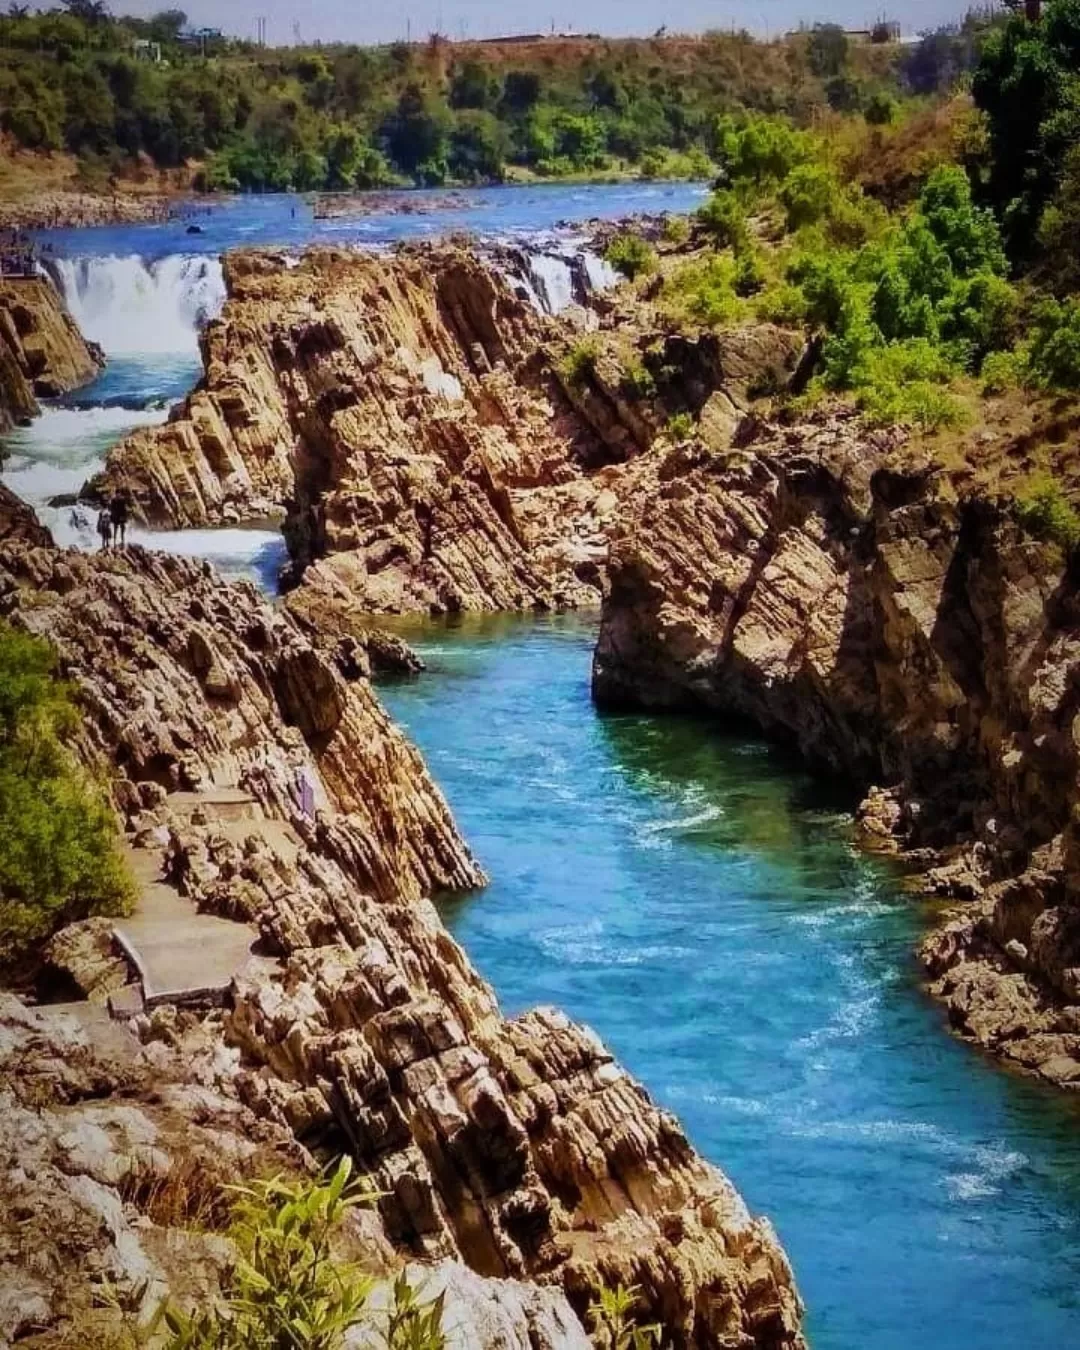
column 145, row 50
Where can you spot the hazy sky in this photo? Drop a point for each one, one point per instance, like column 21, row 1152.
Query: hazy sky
column 387, row 20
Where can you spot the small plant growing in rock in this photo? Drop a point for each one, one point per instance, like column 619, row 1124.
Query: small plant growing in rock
column 637, row 379
column 612, row 1323
column 680, row 427
column 579, row 363
column 288, row 1290
column 1045, row 512
column 631, row 256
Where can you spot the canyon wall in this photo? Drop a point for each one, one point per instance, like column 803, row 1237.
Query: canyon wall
column 42, row 353
column 390, row 408
column 260, row 781
column 906, row 634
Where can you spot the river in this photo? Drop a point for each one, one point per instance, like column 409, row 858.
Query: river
column 693, row 895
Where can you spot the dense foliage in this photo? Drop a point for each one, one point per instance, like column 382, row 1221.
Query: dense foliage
column 340, row 117
column 290, row 1290
column 1028, row 85
column 59, row 860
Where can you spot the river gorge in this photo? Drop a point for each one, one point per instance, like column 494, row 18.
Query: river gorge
column 695, row 895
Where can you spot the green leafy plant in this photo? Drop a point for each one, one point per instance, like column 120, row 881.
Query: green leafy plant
column 1044, row 511
column 612, row 1323
column 1054, row 353
column 637, row 379
column 288, row 1290
column 680, row 426
column 579, row 363
column 676, row 230
column 60, row 857
column 631, row 255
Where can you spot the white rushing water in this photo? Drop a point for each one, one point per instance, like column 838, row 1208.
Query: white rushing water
column 135, row 307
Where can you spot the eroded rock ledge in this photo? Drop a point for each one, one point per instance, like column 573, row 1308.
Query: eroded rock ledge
column 910, row 636
column 515, row 1146
column 408, row 417
column 42, row 353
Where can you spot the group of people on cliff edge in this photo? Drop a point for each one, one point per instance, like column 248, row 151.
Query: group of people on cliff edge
column 112, row 521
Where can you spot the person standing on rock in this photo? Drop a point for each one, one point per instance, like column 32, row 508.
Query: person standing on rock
column 104, row 527
column 119, row 510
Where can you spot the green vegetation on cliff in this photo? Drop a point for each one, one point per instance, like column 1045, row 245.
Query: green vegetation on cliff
column 59, row 857
column 351, row 117
column 289, row 1289
column 926, row 285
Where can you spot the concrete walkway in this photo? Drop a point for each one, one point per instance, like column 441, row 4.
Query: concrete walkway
column 180, row 955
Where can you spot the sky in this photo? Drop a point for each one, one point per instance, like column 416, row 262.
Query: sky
column 370, row 21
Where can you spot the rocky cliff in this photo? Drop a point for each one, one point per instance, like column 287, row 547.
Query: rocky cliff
column 42, row 353
column 407, row 416
column 905, row 631
column 261, row 782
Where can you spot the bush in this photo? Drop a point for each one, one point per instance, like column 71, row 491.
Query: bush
column 680, row 426
column 638, row 380
column 807, row 195
column 59, row 847
column 676, row 230
column 881, row 109
column 1045, row 512
column 705, row 291
column 631, row 256
column 288, row 1289
column 723, row 220
column 1054, row 353
column 579, row 363
column 903, row 384
column 759, row 151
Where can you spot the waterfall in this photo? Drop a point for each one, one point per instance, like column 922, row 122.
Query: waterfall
column 133, row 307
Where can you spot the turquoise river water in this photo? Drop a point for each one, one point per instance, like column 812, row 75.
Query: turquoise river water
column 696, row 898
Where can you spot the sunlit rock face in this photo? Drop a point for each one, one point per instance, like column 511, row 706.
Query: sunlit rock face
column 909, row 639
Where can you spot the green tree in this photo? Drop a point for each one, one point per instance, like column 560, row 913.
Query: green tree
column 827, row 50
column 59, row 849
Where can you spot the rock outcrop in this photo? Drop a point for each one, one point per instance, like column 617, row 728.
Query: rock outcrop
column 405, row 415
column 517, row 1147
column 42, row 353
column 913, row 638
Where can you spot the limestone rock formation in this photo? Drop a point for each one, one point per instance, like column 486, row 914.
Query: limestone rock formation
column 907, row 636
column 402, row 414
column 42, row 353
column 517, row 1147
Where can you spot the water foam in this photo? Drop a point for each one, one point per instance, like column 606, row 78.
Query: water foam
column 131, row 306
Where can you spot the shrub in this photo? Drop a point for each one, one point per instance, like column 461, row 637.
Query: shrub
column 637, row 379
column 759, row 151
column 705, row 291
column 680, row 426
column 631, row 255
column 288, row 1290
column 807, row 195
column 676, row 229
column 1045, row 512
column 1003, row 370
column 723, row 219
column 611, row 1321
column 59, row 847
column 1054, row 356
column 749, row 273
column 579, row 363
column 881, row 109
column 903, row 383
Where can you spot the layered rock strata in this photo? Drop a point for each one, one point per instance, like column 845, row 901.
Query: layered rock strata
column 913, row 638
column 515, row 1146
column 42, row 353
column 406, row 414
